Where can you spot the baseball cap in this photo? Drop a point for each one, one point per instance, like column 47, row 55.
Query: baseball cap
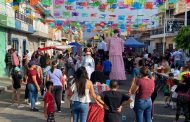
column 31, row 63
column 17, row 69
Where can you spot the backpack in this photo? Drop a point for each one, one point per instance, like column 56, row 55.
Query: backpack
column 184, row 97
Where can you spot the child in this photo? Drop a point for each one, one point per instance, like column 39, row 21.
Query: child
column 64, row 82
column 99, row 66
column 167, row 89
column 107, row 65
column 49, row 102
column 113, row 99
column 17, row 78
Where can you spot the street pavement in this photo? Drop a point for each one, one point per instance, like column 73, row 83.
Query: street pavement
column 10, row 113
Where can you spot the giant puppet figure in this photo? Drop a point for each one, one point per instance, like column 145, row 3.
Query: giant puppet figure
column 116, row 47
column 88, row 62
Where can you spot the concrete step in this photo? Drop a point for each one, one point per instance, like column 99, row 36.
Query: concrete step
column 5, row 84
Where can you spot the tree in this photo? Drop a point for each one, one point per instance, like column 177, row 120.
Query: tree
column 182, row 40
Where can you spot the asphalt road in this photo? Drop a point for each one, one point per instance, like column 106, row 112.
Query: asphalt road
column 10, row 113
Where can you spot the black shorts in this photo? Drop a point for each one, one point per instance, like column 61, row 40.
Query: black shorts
column 166, row 94
column 51, row 117
column 16, row 85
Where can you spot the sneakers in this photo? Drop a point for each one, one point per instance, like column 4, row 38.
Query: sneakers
column 62, row 101
column 59, row 111
column 20, row 106
column 38, row 103
column 34, row 110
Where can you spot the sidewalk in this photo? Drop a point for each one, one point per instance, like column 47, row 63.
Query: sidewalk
column 5, row 84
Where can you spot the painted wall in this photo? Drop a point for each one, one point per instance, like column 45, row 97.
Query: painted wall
column 32, row 43
column 2, row 51
column 20, row 37
column 10, row 16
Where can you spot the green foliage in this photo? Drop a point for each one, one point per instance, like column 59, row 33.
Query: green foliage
column 182, row 40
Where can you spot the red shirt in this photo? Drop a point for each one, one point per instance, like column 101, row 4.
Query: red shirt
column 99, row 67
column 170, row 82
column 146, row 88
column 33, row 73
column 49, row 99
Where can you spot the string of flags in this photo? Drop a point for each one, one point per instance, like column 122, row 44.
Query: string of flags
column 125, row 22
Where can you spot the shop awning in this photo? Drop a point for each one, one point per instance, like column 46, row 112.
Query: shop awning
column 132, row 42
column 75, row 44
column 57, row 47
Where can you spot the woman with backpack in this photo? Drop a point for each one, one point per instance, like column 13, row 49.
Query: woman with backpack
column 183, row 90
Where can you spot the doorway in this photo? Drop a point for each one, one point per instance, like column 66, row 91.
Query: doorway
column 24, row 47
column 15, row 44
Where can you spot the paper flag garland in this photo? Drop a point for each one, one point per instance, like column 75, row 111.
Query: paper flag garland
column 58, row 2
column 111, row 10
column 137, row 5
column 79, row 7
column 112, row 15
column 145, row 21
column 148, row 5
column 66, row 14
column 102, row 16
column 113, row 6
column 121, row 17
column 141, row 1
column 84, row 4
column 75, row 14
column 111, row 1
column 46, row 2
column 121, row 5
column 128, row 2
column 172, row 1
column 69, row 7
column 84, row 15
column 93, row 15
column 15, row 8
column 57, row 13
column 102, row 7
column 94, row 4
column 159, row 2
column 58, row 22
column 34, row 2
column 9, row 1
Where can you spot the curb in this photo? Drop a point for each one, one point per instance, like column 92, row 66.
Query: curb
column 5, row 84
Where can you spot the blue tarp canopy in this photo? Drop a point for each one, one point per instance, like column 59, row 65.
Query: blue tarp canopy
column 132, row 42
column 75, row 44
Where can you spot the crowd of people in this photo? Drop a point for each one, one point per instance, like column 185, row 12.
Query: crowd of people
column 91, row 81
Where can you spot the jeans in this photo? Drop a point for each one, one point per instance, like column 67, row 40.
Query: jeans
column 32, row 94
column 80, row 110
column 57, row 92
column 143, row 108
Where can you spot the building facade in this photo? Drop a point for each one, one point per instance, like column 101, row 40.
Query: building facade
column 169, row 24
column 19, row 29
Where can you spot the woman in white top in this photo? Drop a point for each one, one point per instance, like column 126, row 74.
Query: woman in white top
column 82, row 89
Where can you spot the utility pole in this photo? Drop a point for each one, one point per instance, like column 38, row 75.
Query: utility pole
column 164, row 39
column 185, row 14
